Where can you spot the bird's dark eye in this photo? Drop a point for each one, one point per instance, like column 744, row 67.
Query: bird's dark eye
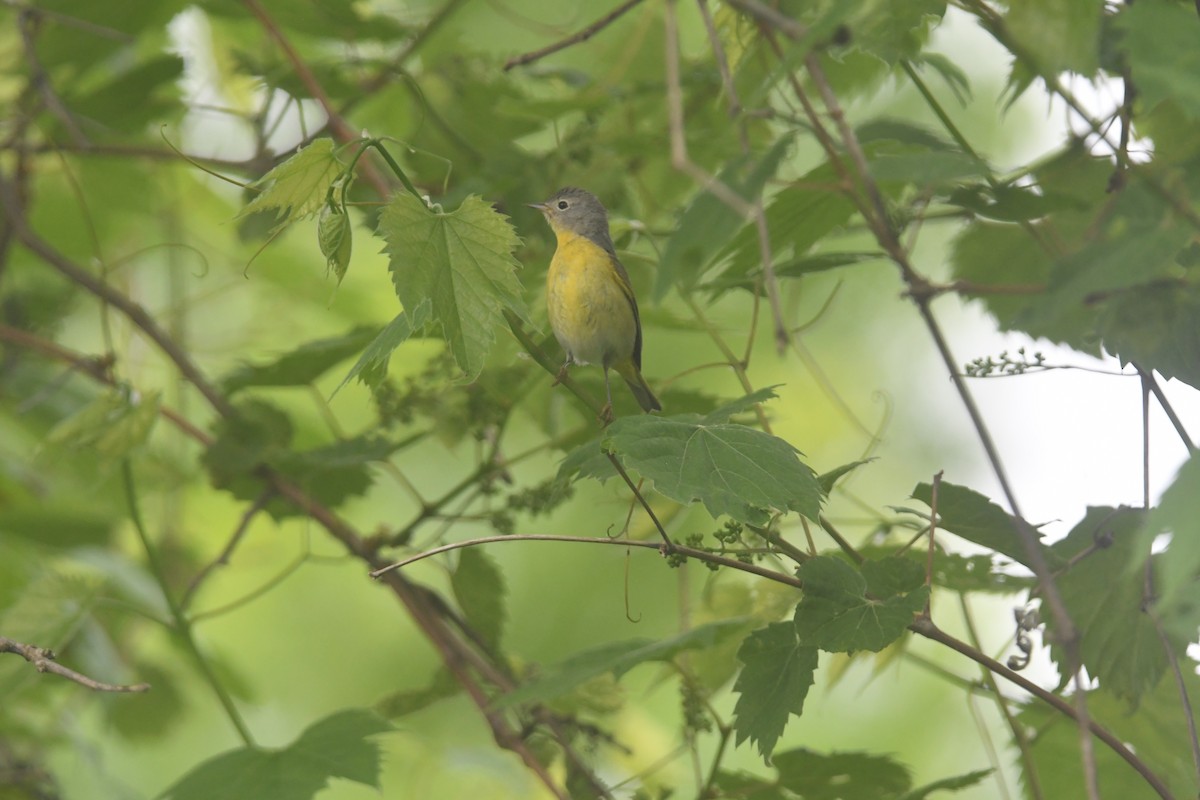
column 562, row 205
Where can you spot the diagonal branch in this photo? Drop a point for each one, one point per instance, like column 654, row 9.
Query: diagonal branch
column 575, row 38
column 43, row 660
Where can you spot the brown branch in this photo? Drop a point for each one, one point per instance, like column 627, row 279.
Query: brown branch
column 690, row 552
column 575, row 38
column 1167, row 408
column 43, row 660
column 926, row 628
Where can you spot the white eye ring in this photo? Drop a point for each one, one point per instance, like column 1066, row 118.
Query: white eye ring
column 563, row 205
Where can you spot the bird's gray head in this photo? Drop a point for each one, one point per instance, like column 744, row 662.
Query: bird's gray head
column 578, row 212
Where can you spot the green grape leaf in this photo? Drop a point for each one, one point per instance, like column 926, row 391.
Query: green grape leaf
column 617, row 658
column 111, row 426
column 333, row 473
column 775, row 679
column 372, row 366
column 297, row 188
column 1118, row 642
column 732, row 469
column 338, row 746
column 1160, row 40
column 256, row 434
column 47, row 612
column 1178, row 513
column 1058, row 34
column 708, row 223
column 932, row 168
column 788, row 268
column 1158, row 327
column 966, row 513
column 335, row 238
column 479, row 588
column 841, row 776
column 836, row 615
column 299, row 367
column 461, row 262
column 739, row 406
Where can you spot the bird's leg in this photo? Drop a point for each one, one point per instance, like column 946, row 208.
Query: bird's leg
column 561, row 375
column 606, row 413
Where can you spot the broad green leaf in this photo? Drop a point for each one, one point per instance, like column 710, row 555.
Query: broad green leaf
column 1104, row 598
column 732, row 469
column 841, row 776
column 1178, row 514
column 966, row 513
column 259, row 435
column 1058, row 34
column 479, row 588
column 297, row 188
column 892, row 31
column 948, row 784
column 836, row 615
column 132, row 98
column 372, row 366
column 111, row 427
column 708, row 223
column 617, row 658
column 739, row 406
column 338, row 746
column 797, row 218
column 1160, row 41
column 461, row 263
column 147, row 717
column 256, row 434
column 775, row 679
column 299, row 367
column 1157, row 327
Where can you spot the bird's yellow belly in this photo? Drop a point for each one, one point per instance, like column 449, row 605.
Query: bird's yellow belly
column 589, row 313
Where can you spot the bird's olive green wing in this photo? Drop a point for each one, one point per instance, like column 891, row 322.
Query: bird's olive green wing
column 627, row 290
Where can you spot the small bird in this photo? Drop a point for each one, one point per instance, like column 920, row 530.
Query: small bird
column 593, row 312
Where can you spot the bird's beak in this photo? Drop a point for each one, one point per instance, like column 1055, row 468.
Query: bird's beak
column 542, row 207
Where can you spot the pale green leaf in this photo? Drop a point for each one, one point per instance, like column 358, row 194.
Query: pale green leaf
column 775, row 679
column 111, row 426
column 338, row 746
column 731, row 469
column 301, row 366
column 461, row 262
column 1160, row 40
column 1058, row 34
column 836, row 615
column 372, row 366
column 297, row 188
column 1104, row 599
column 967, row 513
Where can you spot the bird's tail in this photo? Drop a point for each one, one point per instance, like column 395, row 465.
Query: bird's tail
column 641, row 392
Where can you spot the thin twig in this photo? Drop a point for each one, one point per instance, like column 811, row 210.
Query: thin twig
column 933, row 516
column 43, row 660
column 690, row 552
column 223, row 558
column 1167, row 408
column 575, row 38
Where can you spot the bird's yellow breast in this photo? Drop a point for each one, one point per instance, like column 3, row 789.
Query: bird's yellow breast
column 590, row 311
